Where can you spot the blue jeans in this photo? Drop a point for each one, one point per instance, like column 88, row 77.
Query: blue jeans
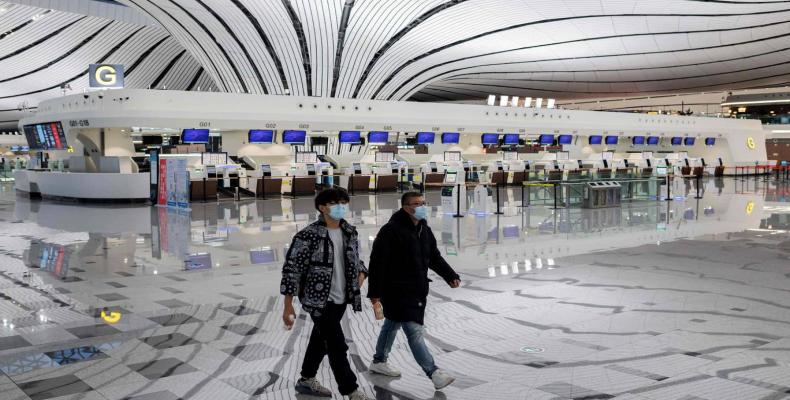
column 414, row 333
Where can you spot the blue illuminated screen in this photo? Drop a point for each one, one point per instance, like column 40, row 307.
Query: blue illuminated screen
column 353, row 137
column 565, row 139
column 596, row 139
column 689, row 141
column 425, row 137
column 677, row 141
column 489, row 138
column 611, row 140
column 450, row 137
column 546, row 140
column 261, row 136
column 653, row 140
column 511, row 138
column 378, row 137
column 194, row 136
column 294, row 137
column 638, row 140
column 710, row 141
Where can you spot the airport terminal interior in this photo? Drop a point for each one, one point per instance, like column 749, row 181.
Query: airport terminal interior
column 609, row 179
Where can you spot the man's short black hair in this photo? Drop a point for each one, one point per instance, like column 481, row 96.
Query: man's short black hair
column 331, row 195
column 408, row 196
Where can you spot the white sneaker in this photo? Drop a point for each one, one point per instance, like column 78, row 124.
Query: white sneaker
column 383, row 369
column 359, row 395
column 441, row 379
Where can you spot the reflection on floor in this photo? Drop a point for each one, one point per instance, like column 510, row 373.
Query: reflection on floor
column 655, row 300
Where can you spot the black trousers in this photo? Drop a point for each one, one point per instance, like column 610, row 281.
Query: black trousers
column 327, row 339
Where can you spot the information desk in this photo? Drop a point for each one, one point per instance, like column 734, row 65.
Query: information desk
column 84, row 186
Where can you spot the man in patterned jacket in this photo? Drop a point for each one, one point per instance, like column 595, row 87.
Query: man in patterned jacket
column 323, row 269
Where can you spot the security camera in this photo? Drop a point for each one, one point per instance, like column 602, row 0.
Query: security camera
column 101, row 96
column 85, row 96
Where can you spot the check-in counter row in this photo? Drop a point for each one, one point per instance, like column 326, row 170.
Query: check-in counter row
column 84, row 186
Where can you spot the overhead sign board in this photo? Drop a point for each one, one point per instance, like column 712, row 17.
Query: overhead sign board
column 105, row 75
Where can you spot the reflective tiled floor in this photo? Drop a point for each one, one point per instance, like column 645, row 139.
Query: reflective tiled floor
column 685, row 299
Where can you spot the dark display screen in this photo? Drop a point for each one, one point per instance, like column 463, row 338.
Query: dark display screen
column 352, row 137
column 689, row 141
column 677, row 141
column 198, row 261
column 261, row 136
column 450, row 137
column 378, row 137
column 611, row 140
column 489, row 138
column 261, row 256
column 596, row 139
column 511, row 138
column 638, row 140
column 565, row 139
column 653, row 140
column 294, row 137
column 710, row 141
column 426, row 137
column 194, row 136
column 46, row 136
column 546, row 140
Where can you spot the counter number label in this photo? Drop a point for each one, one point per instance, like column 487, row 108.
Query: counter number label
column 304, row 126
column 271, row 126
column 77, row 123
column 204, row 124
column 387, row 127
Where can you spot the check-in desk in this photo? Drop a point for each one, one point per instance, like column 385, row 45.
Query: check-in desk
column 516, row 178
column 299, row 185
column 203, row 190
column 269, row 186
column 434, row 179
column 386, row 183
column 82, row 186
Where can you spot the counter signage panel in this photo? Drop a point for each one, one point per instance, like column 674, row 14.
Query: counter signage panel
column 511, row 138
column 546, row 140
column 352, row 137
column 489, row 138
column 378, row 137
column 194, row 136
column 450, row 137
column 653, row 140
column 294, row 137
column 258, row 136
column 612, row 140
column 46, row 136
column 565, row 139
column 425, row 137
column 595, row 139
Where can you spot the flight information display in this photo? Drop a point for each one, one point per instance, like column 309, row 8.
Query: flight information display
column 489, row 138
column 194, row 136
column 653, row 140
column 710, row 141
column 511, row 138
column 46, row 136
column 677, row 141
column 378, row 137
column 546, row 140
column 689, row 141
column 596, row 139
column 294, row 137
column 450, row 137
column 260, row 136
column 425, row 137
column 611, row 140
column 638, row 140
column 353, row 137
column 565, row 139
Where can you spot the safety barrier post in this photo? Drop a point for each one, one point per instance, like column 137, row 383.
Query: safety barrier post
column 498, row 211
column 458, row 203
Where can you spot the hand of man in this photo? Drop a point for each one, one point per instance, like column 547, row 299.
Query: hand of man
column 289, row 316
column 374, row 301
column 361, row 278
column 455, row 283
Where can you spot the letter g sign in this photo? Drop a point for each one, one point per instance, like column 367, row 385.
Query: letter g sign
column 105, row 75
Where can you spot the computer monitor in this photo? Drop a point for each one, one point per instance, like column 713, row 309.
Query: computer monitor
column 653, row 140
column 511, row 139
column 425, row 137
column 710, row 141
column 350, row 137
column 611, row 140
column 546, row 140
column 677, row 141
column 489, row 138
column 638, row 140
column 294, row 137
column 258, row 136
column 450, row 138
column 595, row 140
column 194, row 136
column 378, row 137
column 689, row 141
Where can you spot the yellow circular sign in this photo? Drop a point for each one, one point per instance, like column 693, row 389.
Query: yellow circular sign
column 750, row 143
column 749, row 208
column 111, row 317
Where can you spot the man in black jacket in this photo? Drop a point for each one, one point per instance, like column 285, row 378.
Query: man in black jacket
column 403, row 251
column 323, row 268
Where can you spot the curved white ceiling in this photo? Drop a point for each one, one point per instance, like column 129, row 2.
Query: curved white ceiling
column 425, row 50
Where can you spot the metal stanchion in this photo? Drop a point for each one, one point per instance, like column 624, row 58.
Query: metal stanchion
column 524, row 201
column 669, row 190
column 263, row 187
column 204, row 189
column 422, row 184
column 237, row 197
column 698, row 187
column 498, row 211
column 555, row 196
column 293, row 187
column 458, row 203
column 351, row 184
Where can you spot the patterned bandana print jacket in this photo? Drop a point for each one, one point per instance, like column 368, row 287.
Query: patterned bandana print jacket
column 307, row 272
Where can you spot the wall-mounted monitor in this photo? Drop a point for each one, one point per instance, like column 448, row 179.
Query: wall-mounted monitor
column 262, row 256
column 638, row 140
column 351, row 137
column 611, row 140
column 653, row 140
column 194, row 136
column 425, row 137
column 294, row 137
column 259, row 136
column 450, row 138
column 378, row 137
column 677, row 141
column 546, row 140
column 595, row 139
column 710, row 141
column 46, row 136
column 565, row 139
column 511, row 139
column 489, row 138
column 689, row 141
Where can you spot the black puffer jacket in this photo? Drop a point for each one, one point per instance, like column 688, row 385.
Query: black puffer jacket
column 402, row 254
